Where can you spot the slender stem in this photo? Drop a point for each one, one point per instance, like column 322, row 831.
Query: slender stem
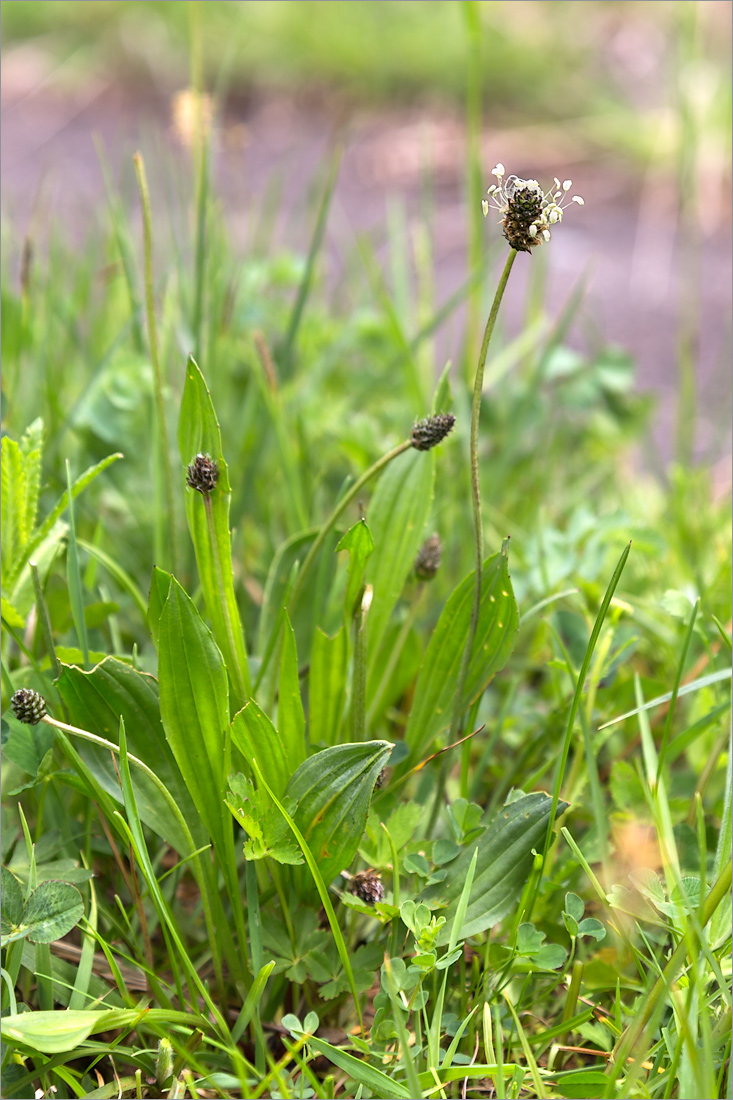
column 335, row 514
column 153, row 337
column 476, row 493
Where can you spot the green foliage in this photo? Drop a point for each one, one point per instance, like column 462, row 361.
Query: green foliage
column 47, row 914
column 225, row 696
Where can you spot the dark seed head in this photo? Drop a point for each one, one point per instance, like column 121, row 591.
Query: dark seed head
column 431, row 431
column 28, row 706
column 381, row 779
column 367, row 886
column 427, row 562
column 523, row 210
column 202, row 474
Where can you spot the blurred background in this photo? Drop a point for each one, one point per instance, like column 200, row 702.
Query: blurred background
column 630, row 100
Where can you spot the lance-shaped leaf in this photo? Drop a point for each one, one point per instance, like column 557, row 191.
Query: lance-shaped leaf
column 333, row 789
column 493, row 644
column 360, row 544
column 194, row 707
column 290, row 716
column 255, row 736
column 503, row 866
column 96, row 701
column 327, row 685
column 198, row 432
column 398, row 513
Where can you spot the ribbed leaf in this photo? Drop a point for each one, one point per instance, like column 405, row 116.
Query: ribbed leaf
column 504, row 863
column 493, row 644
column 254, row 735
column 333, row 789
column 96, row 700
column 194, row 707
column 397, row 516
column 327, row 686
column 198, row 432
column 290, row 717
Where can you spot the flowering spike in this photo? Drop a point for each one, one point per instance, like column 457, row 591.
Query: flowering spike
column 367, row 885
column 202, row 474
column 527, row 211
column 427, row 433
column 28, row 706
column 427, row 562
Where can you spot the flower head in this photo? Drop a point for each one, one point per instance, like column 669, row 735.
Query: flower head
column 367, row 886
column 28, row 706
column 427, row 562
column 527, row 211
column 202, row 474
column 431, row 431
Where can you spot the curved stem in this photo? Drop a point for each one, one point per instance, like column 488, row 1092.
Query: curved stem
column 476, row 493
column 338, row 510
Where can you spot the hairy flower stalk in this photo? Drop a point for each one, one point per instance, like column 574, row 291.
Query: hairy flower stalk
column 527, row 213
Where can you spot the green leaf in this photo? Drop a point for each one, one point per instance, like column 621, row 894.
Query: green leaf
column 198, row 432
column 11, row 914
column 194, row 707
column 268, row 832
column 504, row 863
column 550, row 956
column 56, row 1032
column 293, row 549
column 255, row 736
column 327, row 686
column 160, row 583
column 574, row 906
column 592, row 927
column 529, row 939
column 360, row 544
column 397, row 516
column 58, row 509
column 373, row 1079
column 333, row 789
column 51, row 1032
column 290, row 717
column 14, row 533
column 586, row 1085
column 27, row 745
column 95, row 701
column 10, row 616
column 52, row 910
column 494, row 641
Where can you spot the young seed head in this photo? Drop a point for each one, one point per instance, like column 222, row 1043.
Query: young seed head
column 427, row 433
column 202, row 474
column 28, row 706
column 367, row 885
column 427, row 562
column 527, row 211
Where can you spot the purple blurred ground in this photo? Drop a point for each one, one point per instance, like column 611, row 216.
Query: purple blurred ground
column 626, row 236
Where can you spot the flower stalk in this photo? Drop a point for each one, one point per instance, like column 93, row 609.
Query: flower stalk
column 476, row 492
